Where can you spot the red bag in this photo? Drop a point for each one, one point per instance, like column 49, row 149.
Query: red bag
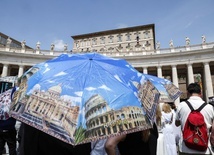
column 195, row 133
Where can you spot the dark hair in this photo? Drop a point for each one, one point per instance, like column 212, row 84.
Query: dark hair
column 194, row 88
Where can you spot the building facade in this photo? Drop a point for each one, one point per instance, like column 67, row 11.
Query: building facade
column 182, row 65
column 139, row 38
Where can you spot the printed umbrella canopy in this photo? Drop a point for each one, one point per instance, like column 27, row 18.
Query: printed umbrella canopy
column 79, row 98
column 5, row 102
column 6, row 83
column 168, row 91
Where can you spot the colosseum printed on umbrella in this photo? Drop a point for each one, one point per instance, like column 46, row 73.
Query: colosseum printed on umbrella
column 79, row 98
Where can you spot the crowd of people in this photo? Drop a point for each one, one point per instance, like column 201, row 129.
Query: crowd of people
column 165, row 138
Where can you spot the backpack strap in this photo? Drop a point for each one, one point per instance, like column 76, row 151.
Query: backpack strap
column 190, row 106
column 202, row 106
column 199, row 109
column 171, row 119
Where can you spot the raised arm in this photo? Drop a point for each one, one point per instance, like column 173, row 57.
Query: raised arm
column 111, row 144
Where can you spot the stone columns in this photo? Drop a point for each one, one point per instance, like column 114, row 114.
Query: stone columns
column 190, row 73
column 21, row 70
column 208, row 81
column 174, row 75
column 145, row 71
column 175, row 81
column 159, row 72
column 5, row 70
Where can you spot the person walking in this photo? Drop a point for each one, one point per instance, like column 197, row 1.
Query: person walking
column 8, row 135
column 36, row 142
column 8, row 130
column 168, row 131
column 183, row 111
column 176, row 129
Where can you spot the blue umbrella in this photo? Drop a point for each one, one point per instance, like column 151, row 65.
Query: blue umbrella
column 168, row 91
column 79, row 98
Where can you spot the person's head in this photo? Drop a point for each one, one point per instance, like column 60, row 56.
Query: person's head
column 166, row 108
column 194, row 89
column 172, row 105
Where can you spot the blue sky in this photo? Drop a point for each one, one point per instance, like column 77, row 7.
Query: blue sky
column 49, row 21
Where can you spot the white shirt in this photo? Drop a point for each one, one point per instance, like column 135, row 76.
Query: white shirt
column 182, row 114
column 98, row 147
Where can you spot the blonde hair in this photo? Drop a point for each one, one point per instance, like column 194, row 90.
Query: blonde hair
column 166, row 108
column 158, row 115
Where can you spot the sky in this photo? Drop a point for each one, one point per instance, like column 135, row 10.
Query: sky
column 49, row 21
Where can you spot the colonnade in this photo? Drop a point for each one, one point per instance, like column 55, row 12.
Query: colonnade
column 176, row 64
column 6, row 71
column 172, row 73
column 190, row 76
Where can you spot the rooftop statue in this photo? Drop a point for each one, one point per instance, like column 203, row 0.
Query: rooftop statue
column 52, row 46
column 9, row 41
column 157, row 45
column 187, row 41
column 171, row 43
column 65, row 47
column 203, row 39
column 38, row 45
column 23, row 43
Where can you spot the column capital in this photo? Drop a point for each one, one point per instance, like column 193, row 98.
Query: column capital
column 206, row 63
column 189, row 64
column 6, row 64
column 190, row 73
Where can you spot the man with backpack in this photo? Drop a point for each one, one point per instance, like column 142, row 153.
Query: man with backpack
column 195, row 118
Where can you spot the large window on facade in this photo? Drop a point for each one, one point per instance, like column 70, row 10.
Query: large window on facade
column 119, row 36
column 111, row 39
column 88, row 42
column 94, row 41
column 128, row 37
column 102, row 40
column 110, row 49
column 102, row 50
column 146, row 34
column 82, row 43
column 77, row 44
column 137, row 34
column 3, row 40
